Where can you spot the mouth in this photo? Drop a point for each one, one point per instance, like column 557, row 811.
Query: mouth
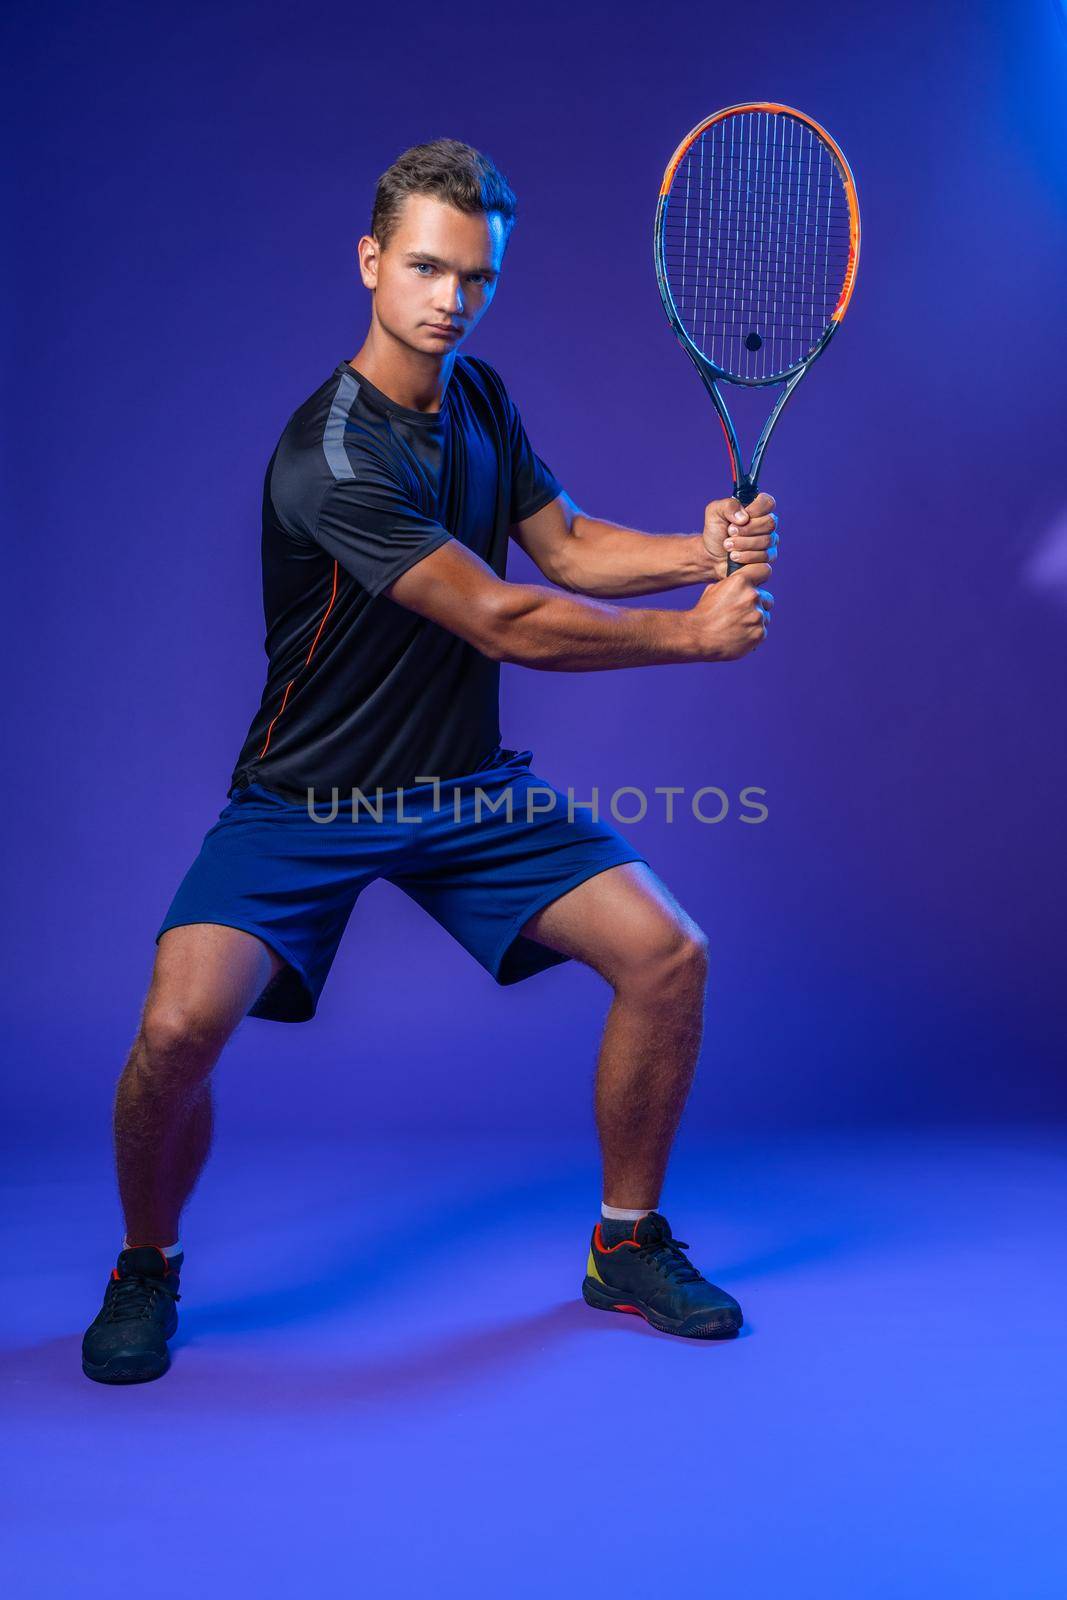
column 444, row 327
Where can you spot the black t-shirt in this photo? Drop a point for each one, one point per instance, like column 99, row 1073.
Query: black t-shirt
column 360, row 692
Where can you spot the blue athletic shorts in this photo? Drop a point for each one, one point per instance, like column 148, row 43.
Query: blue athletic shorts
column 269, row 867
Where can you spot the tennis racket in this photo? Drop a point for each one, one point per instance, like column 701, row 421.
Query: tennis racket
column 757, row 242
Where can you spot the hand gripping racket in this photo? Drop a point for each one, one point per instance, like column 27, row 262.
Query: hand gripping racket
column 757, row 243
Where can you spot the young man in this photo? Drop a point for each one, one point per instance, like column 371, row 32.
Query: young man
column 387, row 510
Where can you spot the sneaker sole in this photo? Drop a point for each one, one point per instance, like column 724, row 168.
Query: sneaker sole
column 701, row 1325
column 139, row 1368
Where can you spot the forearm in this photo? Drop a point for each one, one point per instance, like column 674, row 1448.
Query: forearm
column 604, row 559
column 539, row 628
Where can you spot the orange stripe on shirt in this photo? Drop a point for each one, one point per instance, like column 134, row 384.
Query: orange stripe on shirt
column 310, row 653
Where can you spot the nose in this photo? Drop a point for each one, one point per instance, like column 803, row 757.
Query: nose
column 450, row 302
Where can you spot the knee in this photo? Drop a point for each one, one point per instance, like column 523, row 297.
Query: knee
column 675, row 962
column 177, row 1040
column 688, row 957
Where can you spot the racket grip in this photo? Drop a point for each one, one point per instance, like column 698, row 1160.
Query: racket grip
column 744, row 492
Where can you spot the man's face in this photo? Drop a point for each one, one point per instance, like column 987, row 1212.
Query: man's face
column 434, row 280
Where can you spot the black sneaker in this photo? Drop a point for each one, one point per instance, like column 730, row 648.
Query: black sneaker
column 649, row 1274
column 127, row 1340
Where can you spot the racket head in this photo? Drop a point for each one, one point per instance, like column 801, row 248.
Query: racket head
column 757, row 242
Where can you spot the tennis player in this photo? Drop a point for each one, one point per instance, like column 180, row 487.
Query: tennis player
column 375, row 753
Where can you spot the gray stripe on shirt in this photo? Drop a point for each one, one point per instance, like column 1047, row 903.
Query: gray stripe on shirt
column 333, row 438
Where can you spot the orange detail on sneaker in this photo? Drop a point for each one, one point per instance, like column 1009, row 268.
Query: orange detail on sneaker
column 606, row 1249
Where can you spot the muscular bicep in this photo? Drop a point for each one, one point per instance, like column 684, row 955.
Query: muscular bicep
column 457, row 589
column 545, row 536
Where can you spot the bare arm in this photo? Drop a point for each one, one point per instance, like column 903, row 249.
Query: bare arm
column 589, row 556
column 538, row 627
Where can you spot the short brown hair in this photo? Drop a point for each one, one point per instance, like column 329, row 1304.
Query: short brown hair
column 450, row 171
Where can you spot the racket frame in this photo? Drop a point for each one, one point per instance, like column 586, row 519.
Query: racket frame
column 711, row 375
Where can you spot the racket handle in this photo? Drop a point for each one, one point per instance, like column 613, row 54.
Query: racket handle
column 744, row 492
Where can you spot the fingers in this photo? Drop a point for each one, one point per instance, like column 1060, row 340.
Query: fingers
column 761, row 603
column 752, row 532
column 754, row 572
column 764, row 607
column 755, row 527
column 759, row 535
column 746, row 536
column 735, row 512
column 741, row 516
column 759, row 553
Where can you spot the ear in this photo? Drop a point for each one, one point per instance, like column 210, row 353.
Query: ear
column 369, row 251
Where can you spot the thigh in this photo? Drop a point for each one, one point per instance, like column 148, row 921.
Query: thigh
column 206, row 977
column 616, row 921
column 268, row 870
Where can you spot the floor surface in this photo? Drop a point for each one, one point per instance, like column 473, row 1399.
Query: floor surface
column 385, row 1382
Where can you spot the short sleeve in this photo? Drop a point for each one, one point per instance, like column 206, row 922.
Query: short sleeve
column 532, row 484
column 374, row 530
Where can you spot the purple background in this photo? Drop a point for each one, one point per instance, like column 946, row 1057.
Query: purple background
column 887, row 945
column 384, row 1380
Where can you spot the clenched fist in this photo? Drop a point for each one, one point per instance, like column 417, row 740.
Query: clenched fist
column 731, row 617
column 748, row 535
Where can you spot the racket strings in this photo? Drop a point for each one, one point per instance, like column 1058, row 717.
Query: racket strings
column 756, row 242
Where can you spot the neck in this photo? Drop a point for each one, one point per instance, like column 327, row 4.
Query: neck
column 407, row 376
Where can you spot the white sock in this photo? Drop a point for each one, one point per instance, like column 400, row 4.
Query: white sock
column 167, row 1249
column 621, row 1214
